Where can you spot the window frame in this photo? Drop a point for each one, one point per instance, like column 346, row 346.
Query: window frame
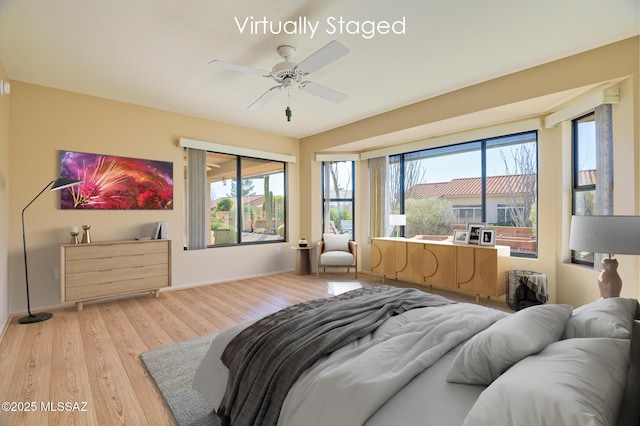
column 238, row 200
column 330, row 200
column 576, row 187
column 483, row 145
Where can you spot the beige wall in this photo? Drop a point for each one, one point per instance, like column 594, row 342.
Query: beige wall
column 46, row 120
column 568, row 283
column 579, row 283
column 4, row 203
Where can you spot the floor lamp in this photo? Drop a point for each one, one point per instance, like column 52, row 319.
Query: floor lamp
column 610, row 235
column 58, row 184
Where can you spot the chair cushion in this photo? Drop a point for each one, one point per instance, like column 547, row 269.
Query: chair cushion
column 334, row 242
column 336, row 258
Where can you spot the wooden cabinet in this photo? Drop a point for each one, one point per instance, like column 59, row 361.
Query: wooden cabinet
column 475, row 269
column 97, row 270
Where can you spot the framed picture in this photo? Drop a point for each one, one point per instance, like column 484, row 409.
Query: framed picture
column 460, row 236
column 474, row 231
column 487, row 237
column 110, row 182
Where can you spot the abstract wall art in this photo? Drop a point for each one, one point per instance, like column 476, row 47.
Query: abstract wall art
column 115, row 183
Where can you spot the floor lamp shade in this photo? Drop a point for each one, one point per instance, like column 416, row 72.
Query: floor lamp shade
column 55, row 185
column 610, row 235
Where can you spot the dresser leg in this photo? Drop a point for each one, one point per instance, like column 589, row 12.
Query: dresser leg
column 156, row 292
column 79, row 305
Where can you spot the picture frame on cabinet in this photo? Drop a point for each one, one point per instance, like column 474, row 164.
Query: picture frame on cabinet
column 487, row 237
column 460, row 236
column 474, row 231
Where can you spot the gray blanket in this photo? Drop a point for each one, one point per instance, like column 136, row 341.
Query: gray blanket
column 268, row 357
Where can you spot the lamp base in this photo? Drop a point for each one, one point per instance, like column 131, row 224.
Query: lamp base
column 30, row 319
column 609, row 282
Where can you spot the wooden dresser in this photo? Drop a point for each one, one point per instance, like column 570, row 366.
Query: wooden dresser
column 469, row 268
column 112, row 268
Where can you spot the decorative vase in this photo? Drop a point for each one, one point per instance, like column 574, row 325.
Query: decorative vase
column 86, row 238
column 74, row 235
column 302, row 242
column 609, row 282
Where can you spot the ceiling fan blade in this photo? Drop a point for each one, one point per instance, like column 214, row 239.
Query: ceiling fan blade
column 240, row 68
column 266, row 97
column 323, row 56
column 323, row 92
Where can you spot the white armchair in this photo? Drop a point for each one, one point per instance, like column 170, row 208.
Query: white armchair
column 337, row 251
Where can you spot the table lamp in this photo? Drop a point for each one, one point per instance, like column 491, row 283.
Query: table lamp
column 397, row 220
column 56, row 185
column 610, row 235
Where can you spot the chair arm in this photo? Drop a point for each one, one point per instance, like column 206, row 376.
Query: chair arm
column 353, row 247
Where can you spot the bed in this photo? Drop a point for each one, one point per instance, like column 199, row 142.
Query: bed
column 383, row 355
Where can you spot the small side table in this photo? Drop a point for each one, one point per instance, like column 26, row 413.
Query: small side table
column 303, row 260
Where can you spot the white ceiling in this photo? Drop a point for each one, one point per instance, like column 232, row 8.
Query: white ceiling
column 156, row 53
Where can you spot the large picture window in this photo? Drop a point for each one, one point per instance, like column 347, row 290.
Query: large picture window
column 246, row 200
column 493, row 181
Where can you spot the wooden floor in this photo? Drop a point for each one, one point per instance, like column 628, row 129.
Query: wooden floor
column 88, row 360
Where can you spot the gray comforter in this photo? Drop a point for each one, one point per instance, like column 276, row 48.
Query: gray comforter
column 268, row 357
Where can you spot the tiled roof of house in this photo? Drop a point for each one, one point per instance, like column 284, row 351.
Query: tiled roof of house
column 587, row 177
column 496, row 185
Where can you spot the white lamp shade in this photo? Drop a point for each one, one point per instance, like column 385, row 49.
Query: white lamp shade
column 605, row 234
column 397, row 219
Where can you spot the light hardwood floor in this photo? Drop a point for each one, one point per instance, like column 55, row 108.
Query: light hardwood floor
column 92, row 356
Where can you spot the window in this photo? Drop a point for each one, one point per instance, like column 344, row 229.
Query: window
column 246, row 200
column 468, row 214
column 508, row 215
column 338, row 197
column 492, row 180
column 584, row 175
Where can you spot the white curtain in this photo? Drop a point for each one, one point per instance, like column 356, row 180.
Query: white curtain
column 197, row 199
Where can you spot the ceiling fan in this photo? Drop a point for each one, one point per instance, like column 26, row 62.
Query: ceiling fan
column 290, row 75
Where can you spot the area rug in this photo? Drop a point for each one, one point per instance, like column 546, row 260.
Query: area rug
column 173, row 367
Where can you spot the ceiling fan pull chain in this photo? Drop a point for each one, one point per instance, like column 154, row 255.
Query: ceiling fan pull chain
column 288, row 111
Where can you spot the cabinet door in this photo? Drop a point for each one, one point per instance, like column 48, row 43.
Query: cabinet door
column 382, row 257
column 477, row 269
column 408, row 261
column 439, row 265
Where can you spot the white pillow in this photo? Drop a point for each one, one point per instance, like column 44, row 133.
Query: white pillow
column 572, row 382
column 489, row 353
column 335, row 242
column 611, row 317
